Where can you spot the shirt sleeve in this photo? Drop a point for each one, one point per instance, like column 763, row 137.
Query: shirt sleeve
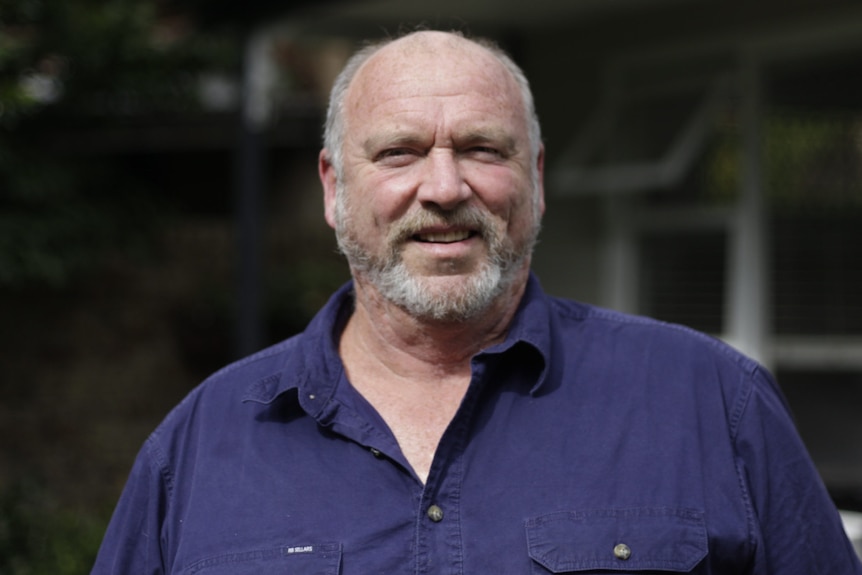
column 132, row 542
column 795, row 526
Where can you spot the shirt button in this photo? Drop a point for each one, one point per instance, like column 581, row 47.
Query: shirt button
column 376, row 453
column 435, row 514
column 622, row 551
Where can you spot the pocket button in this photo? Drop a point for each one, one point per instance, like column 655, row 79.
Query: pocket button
column 622, row 551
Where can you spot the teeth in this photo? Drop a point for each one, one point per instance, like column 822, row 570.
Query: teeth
column 445, row 237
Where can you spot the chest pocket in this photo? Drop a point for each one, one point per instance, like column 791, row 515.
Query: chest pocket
column 300, row 560
column 618, row 540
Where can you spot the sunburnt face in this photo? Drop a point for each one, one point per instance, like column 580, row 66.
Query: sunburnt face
column 437, row 173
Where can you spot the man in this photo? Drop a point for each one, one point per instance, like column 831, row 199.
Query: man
column 441, row 414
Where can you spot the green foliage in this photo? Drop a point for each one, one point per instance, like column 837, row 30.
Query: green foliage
column 812, row 162
column 37, row 539
column 55, row 223
column 722, row 176
column 83, row 63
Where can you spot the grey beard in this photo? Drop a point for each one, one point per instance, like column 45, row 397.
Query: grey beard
column 417, row 295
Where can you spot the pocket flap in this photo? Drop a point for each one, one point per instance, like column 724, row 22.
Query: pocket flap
column 660, row 539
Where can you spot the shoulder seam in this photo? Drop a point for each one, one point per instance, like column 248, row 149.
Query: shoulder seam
column 159, row 461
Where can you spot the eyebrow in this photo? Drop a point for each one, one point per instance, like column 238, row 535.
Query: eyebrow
column 377, row 142
column 501, row 138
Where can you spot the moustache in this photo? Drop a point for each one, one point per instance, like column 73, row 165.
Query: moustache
column 466, row 217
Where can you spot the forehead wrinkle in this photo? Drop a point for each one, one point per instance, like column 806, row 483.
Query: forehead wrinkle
column 480, row 113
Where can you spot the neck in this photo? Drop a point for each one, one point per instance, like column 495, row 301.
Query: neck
column 411, row 346
column 415, row 372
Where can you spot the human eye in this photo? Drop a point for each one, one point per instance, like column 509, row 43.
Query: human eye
column 485, row 153
column 486, row 146
column 396, row 156
column 490, row 150
column 392, row 153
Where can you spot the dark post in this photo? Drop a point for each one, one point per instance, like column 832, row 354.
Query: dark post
column 249, row 194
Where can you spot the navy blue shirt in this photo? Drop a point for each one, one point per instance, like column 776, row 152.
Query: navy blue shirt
column 588, row 441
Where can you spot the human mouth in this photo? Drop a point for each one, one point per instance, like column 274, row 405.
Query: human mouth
column 448, row 237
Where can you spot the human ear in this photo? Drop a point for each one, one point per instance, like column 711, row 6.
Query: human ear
column 329, row 179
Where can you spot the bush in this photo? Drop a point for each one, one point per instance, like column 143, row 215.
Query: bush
column 37, row 537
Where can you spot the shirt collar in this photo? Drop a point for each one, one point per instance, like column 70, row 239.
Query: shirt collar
column 312, row 365
column 531, row 328
column 315, row 367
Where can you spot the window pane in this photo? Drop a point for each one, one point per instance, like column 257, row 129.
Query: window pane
column 682, row 278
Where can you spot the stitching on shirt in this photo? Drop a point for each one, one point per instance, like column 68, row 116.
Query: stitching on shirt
column 749, row 505
column 687, row 514
column 467, row 411
column 743, row 398
column 159, row 460
column 328, row 552
column 746, row 387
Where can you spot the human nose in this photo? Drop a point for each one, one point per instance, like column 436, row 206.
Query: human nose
column 442, row 182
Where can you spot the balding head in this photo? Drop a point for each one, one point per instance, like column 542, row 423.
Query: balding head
column 410, row 50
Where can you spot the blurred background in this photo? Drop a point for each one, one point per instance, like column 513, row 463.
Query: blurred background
column 160, row 213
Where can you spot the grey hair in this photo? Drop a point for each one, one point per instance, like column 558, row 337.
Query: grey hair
column 334, row 129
